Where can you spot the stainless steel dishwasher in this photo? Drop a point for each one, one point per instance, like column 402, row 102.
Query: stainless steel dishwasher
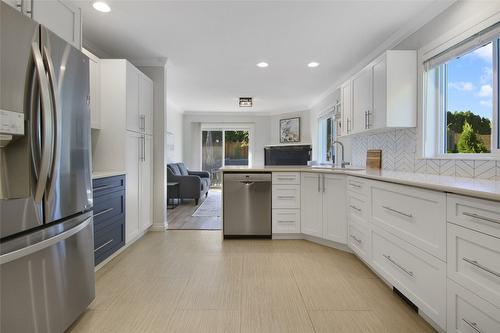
column 247, row 205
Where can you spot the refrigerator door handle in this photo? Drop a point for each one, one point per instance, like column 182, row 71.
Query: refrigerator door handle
column 55, row 114
column 8, row 257
column 47, row 131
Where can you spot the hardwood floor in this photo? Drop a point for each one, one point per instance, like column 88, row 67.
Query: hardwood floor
column 193, row 281
column 181, row 217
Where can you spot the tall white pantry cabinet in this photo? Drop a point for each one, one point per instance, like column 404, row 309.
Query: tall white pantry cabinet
column 125, row 141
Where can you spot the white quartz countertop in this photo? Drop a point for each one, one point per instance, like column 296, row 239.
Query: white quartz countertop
column 480, row 188
column 104, row 174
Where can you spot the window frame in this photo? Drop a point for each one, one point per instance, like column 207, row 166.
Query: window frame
column 434, row 107
column 321, row 132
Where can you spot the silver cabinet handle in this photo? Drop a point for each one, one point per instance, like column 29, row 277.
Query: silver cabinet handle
column 143, row 148
column 366, row 123
column 105, row 244
column 356, row 208
column 410, row 273
column 142, row 122
column 286, row 221
column 324, row 183
column 103, row 212
column 319, row 181
column 354, row 185
column 478, row 265
column 286, row 178
column 397, row 211
column 359, row 241
column 286, row 197
column 473, row 325
column 485, row 218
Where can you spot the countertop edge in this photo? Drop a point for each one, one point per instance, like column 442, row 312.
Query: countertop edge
column 488, row 189
column 105, row 174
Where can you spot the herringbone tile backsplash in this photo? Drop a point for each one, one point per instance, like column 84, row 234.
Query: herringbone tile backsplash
column 399, row 153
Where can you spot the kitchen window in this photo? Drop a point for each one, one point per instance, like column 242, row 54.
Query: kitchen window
column 326, row 135
column 461, row 92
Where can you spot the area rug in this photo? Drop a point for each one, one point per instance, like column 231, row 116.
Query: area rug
column 211, row 206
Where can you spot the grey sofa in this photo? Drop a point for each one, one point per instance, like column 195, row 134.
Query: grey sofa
column 192, row 184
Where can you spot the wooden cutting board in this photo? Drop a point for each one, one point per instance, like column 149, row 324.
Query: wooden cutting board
column 374, row 159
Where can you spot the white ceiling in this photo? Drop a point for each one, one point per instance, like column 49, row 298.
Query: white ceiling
column 213, row 46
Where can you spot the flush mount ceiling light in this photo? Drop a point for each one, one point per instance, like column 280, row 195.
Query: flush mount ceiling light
column 101, row 6
column 313, row 64
column 262, row 64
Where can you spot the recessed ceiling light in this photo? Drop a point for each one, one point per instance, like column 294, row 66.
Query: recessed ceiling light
column 262, row 64
column 101, row 6
column 313, row 64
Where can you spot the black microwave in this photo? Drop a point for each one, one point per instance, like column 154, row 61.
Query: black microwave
column 287, row 155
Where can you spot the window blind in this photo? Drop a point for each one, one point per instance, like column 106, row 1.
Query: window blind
column 473, row 42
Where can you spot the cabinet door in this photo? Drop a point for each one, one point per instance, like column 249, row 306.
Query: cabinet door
column 361, row 99
column 61, row 17
column 146, row 182
column 132, row 186
column 311, row 205
column 377, row 117
column 146, row 104
column 132, row 98
column 334, row 208
column 345, row 101
column 95, row 90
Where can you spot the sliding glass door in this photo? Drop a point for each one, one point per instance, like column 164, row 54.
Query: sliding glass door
column 223, row 147
column 236, row 147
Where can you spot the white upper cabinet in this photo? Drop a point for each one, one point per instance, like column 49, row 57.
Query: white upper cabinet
column 382, row 95
column 345, row 104
column 394, row 90
column 133, row 116
column 61, row 17
column 146, row 104
column 361, row 99
column 95, row 89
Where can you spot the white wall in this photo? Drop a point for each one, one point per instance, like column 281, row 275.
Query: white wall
column 174, row 126
column 192, row 134
column 305, row 127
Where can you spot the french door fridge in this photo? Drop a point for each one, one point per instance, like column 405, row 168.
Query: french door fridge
column 46, row 235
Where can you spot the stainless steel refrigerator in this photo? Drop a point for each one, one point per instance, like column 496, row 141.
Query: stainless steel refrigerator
column 46, row 231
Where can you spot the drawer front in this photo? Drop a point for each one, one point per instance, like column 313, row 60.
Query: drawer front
column 108, row 240
column 357, row 185
column 358, row 241
column 415, row 215
column 357, row 208
column 474, row 262
column 418, row 275
column 286, row 196
column 477, row 214
column 286, row 221
column 107, row 207
column 470, row 313
column 106, row 185
column 286, row 178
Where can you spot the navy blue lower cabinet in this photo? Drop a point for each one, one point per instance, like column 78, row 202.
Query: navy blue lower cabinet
column 109, row 216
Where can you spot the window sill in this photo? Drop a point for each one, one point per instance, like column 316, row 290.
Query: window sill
column 483, row 157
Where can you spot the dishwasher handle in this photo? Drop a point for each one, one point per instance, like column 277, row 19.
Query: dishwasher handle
column 247, row 182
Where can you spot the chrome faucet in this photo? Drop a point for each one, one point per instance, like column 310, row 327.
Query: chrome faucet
column 343, row 163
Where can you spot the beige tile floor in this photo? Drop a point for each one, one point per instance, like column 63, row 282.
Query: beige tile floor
column 193, row 281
